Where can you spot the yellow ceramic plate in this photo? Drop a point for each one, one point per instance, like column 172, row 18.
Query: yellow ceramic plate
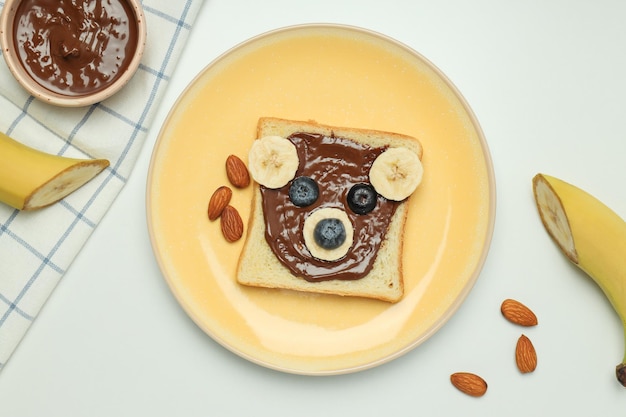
column 341, row 76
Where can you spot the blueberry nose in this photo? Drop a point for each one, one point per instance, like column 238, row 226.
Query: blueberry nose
column 330, row 233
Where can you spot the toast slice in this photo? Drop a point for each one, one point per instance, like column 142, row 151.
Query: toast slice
column 259, row 267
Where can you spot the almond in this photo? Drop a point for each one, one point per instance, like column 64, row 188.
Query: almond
column 219, row 200
column 237, row 172
column 525, row 355
column 518, row 313
column 468, row 383
column 231, row 223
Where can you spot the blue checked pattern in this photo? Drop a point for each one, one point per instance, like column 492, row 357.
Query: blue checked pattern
column 36, row 248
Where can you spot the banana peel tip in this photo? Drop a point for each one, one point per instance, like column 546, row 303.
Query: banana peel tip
column 620, row 373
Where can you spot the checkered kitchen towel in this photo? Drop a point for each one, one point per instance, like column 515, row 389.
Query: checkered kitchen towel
column 36, row 248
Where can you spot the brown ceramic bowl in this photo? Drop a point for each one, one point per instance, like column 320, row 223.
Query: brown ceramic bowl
column 65, row 50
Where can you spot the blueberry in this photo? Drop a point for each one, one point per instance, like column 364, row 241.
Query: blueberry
column 303, row 191
column 329, row 233
column 362, row 198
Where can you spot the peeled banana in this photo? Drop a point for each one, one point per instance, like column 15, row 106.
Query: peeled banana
column 396, row 173
column 591, row 235
column 32, row 179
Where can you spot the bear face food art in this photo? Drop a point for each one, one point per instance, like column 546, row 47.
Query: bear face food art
column 327, row 201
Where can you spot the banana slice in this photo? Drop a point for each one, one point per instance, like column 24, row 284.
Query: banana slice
column 396, row 173
column 273, row 161
column 328, row 233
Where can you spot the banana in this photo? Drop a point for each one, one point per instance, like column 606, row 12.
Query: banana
column 273, row 161
column 591, row 235
column 396, row 173
column 32, row 179
column 319, row 249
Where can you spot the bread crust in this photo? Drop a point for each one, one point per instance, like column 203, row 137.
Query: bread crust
column 259, row 267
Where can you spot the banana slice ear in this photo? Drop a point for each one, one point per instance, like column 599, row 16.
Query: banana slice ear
column 396, row 173
column 273, row 161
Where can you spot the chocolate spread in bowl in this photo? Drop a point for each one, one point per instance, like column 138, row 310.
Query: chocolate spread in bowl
column 74, row 47
column 336, row 164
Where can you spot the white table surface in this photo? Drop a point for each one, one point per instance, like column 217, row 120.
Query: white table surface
column 547, row 81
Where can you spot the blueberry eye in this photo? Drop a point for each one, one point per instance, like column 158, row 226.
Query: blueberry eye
column 330, row 233
column 362, row 198
column 303, row 191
